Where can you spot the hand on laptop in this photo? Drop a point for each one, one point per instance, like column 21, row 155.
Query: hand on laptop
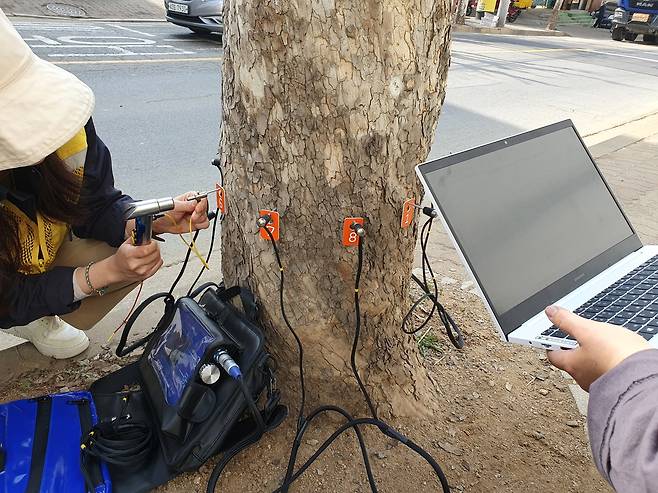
column 601, row 346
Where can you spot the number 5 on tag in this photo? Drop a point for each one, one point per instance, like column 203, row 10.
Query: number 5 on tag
column 221, row 198
column 272, row 226
column 350, row 238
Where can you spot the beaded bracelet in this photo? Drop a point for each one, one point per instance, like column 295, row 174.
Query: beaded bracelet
column 99, row 292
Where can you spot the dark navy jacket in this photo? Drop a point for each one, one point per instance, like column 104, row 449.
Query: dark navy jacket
column 31, row 297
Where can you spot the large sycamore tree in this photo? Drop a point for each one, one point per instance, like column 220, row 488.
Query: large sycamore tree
column 327, row 107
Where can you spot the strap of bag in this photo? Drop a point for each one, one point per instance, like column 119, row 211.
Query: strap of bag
column 246, row 297
column 115, row 381
column 90, row 466
column 170, row 303
column 40, row 444
column 271, row 416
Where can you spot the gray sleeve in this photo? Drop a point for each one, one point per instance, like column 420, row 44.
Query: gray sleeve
column 623, row 423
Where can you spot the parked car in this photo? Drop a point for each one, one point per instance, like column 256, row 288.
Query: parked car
column 200, row 16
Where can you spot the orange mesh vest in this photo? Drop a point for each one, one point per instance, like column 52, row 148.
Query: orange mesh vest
column 40, row 241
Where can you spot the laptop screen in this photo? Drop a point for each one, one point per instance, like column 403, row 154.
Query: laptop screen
column 527, row 212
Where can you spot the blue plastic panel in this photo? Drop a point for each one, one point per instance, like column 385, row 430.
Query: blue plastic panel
column 61, row 472
column 176, row 355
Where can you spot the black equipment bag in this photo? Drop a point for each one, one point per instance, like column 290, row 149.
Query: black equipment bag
column 190, row 421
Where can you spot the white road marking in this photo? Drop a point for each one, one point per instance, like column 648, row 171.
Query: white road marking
column 484, row 53
column 95, row 40
column 608, row 53
column 98, row 46
column 42, row 39
column 122, row 51
column 157, row 60
column 132, row 30
column 55, row 27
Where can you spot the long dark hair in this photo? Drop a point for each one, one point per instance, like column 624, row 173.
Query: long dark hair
column 58, row 197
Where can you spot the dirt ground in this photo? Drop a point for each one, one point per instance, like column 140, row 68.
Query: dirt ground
column 507, row 423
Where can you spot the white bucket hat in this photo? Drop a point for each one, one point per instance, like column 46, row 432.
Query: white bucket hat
column 41, row 106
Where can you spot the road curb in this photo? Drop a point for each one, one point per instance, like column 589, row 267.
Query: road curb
column 615, row 138
column 95, row 19
column 506, row 31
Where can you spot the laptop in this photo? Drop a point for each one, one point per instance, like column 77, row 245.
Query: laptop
column 535, row 224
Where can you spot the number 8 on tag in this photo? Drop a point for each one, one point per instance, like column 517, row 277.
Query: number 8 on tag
column 350, row 238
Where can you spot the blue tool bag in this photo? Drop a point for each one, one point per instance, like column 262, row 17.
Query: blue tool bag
column 40, row 446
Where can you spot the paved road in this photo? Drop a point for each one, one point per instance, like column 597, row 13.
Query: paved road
column 158, row 90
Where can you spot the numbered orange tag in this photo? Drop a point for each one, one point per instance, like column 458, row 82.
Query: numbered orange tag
column 272, row 226
column 221, row 198
column 407, row 213
column 350, row 238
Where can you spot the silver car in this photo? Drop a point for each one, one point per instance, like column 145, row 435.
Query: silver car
column 201, row 16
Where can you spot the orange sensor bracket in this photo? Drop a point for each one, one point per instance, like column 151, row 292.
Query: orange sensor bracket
column 407, row 213
column 273, row 226
column 221, row 198
column 350, row 237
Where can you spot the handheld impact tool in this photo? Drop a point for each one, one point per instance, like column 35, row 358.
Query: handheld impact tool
column 144, row 212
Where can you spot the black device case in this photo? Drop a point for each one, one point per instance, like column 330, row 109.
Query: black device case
column 207, row 419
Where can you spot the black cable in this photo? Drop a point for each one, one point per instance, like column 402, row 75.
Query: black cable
column 258, row 417
column 384, row 427
column 364, row 450
column 357, row 331
column 302, row 424
column 212, row 244
column 121, row 442
column 121, row 349
column 388, row 431
column 424, row 238
column 452, row 329
column 218, row 218
column 300, row 352
column 300, row 348
column 184, row 266
column 168, row 296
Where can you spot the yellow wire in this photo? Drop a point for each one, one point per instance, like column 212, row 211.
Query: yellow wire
column 192, row 245
column 194, row 248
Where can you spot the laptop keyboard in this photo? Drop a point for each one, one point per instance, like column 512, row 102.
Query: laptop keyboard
column 632, row 301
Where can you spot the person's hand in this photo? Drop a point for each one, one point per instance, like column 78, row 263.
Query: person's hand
column 601, row 346
column 178, row 220
column 132, row 263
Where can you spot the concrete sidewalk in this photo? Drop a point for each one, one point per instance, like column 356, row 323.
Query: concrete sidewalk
column 92, row 9
column 474, row 26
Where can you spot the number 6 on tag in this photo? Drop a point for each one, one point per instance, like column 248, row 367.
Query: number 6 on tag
column 350, row 238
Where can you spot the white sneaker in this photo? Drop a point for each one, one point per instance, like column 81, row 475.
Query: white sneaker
column 54, row 337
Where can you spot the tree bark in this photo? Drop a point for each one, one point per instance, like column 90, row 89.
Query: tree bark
column 461, row 12
column 555, row 14
column 327, row 107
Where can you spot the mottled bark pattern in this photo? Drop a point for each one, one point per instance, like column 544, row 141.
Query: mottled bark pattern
column 328, row 106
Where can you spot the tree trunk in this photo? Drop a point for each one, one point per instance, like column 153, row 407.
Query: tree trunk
column 461, row 12
column 327, row 107
column 555, row 14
